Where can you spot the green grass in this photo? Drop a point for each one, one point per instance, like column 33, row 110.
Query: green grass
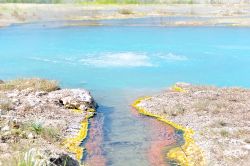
column 48, row 133
column 37, row 128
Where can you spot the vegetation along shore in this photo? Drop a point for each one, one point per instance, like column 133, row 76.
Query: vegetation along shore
column 84, row 14
column 214, row 122
column 39, row 122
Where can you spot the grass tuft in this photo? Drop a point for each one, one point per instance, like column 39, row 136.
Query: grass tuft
column 48, row 133
column 5, row 103
column 37, row 128
column 125, row 11
column 51, row 134
column 35, row 84
column 224, row 133
column 32, row 158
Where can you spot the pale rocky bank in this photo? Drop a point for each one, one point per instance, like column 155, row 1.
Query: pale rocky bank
column 224, row 14
column 42, row 123
column 220, row 118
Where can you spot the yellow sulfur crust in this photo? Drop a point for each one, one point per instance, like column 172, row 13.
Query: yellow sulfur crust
column 188, row 154
column 73, row 144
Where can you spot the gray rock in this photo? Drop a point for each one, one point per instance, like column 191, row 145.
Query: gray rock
column 73, row 98
column 1, row 82
column 52, row 109
column 30, row 136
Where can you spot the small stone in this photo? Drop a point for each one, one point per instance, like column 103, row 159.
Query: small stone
column 83, row 107
column 5, row 128
column 39, row 94
column 30, row 136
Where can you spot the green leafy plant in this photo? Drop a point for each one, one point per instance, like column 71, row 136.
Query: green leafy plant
column 37, row 128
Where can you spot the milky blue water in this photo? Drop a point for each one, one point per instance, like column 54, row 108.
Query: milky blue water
column 118, row 64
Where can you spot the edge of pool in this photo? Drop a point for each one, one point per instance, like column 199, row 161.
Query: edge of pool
column 179, row 154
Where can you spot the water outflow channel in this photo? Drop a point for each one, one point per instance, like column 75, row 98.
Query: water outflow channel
column 119, row 136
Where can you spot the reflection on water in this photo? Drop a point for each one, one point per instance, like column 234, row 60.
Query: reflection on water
column 119, row 136
column 94, row 155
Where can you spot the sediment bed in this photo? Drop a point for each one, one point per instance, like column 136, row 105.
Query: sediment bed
column 215, row 122
column 42, row 121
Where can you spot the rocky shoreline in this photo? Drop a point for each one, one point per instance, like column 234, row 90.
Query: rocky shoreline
column 214, row 121
column 39, row 122
column 186, row 14
column 42, row 121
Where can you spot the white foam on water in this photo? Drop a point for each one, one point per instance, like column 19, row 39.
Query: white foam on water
column 172, row 57
column 127, row 59
column 120, row 59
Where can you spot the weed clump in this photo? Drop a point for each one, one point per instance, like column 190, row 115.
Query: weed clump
column 35, row 84
column 48, row 133
column 125, row 11
column 224, row 133
column 5, row 103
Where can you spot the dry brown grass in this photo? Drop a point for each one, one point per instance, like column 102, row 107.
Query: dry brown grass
column 5, row 103
column 178, row 109
column 224, row 133
column 35, row 84
column 51, row 134
column 125, row 11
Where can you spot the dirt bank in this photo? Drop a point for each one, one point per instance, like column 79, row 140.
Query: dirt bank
column 219, row 118
column 41, row 123
column 188, row 14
